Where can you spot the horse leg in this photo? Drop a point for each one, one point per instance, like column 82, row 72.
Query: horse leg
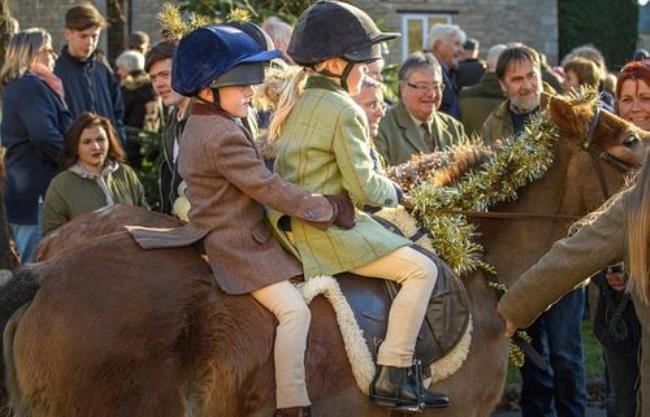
column 12, row 398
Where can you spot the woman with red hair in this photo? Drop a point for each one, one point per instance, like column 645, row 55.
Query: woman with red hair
column 633, row 93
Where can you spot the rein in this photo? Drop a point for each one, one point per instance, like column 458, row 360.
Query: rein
column 505, row 215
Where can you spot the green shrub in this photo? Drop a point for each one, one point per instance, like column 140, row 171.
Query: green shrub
column 610, row 25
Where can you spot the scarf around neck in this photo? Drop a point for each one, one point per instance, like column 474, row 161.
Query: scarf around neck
column 49, row 78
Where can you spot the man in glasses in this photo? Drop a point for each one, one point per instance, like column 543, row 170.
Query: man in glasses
column 414, row 125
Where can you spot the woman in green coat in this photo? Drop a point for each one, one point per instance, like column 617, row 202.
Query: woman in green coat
column 323, row 145
column 92, row 174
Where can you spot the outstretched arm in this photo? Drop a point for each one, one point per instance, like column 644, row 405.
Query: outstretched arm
column 569, row 262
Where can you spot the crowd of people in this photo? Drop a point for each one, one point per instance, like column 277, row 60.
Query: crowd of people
column 72, row 126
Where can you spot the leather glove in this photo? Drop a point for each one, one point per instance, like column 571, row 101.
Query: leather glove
column 344, row 215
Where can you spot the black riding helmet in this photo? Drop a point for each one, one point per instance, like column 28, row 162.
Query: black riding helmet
column 332, row 29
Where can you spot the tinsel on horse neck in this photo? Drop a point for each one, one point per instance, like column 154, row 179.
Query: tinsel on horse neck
column 472, row 177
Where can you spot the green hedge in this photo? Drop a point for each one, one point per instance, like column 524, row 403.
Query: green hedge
column 610, row 25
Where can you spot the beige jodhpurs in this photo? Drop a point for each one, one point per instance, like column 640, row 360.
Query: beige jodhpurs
column 288, row 306
column 417, row 274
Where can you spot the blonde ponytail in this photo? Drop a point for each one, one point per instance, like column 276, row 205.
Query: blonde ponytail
column 288, row 99
column 638, row 227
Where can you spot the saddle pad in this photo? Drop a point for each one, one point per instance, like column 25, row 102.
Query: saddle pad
column 358, row 343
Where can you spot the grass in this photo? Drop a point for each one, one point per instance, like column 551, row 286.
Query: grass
column 592, row 354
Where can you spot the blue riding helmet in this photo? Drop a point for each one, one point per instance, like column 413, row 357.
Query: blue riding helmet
column 218, row 56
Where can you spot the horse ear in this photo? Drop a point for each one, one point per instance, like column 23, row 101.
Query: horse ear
column 570, row 115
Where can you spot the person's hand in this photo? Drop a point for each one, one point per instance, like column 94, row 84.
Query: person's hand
column 511, row 328
column 616, row 280
column 344, row 215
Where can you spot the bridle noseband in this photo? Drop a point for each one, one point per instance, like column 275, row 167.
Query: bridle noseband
column 616, row 163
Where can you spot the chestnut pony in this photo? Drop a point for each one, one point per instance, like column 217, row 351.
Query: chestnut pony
column 112, row 330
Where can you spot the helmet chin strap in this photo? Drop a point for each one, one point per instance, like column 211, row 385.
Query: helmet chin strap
column 343, row 76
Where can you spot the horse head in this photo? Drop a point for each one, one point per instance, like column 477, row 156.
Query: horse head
column 613, row 139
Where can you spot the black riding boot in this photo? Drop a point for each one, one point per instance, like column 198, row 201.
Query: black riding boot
column 398, row 388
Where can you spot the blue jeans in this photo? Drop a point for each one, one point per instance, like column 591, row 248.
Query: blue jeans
column 26, row 237
column 558, row 391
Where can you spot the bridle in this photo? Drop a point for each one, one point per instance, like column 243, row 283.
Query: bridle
column 587, row 144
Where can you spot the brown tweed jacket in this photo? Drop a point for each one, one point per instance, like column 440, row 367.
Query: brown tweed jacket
column 228, row 186
column 596, row 245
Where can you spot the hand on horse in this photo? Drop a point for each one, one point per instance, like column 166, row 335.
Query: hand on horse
column 344, row 215
column 511, row 328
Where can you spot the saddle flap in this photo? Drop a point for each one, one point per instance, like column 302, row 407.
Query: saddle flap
column 445, row 323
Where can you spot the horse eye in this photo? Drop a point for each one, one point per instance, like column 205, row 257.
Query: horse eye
column 631, row 141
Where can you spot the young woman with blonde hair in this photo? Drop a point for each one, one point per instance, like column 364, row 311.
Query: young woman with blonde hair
column 34, row 120
column 322, row 142
column 619, row 231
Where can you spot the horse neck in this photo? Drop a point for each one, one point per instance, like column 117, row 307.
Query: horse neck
column 570, row 187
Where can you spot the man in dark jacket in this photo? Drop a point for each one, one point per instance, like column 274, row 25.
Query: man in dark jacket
column 471, row 68
column 558, row 390
column 159, row 66
column 478, row 101
column 446, row 44
column 89, row 84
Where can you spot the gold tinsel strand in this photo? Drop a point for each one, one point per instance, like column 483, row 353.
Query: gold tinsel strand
column 516, row 163
column 239, row 15
column 170, row 19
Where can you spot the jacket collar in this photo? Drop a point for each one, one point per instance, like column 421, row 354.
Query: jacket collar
column 200, row 108
column 111, row 167
column 406, row 124
column 77, row 61
column 317, row 81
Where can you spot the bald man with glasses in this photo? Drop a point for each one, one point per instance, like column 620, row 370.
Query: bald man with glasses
column 414, row 125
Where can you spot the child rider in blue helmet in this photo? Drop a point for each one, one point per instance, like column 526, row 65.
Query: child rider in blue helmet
column 228, row 186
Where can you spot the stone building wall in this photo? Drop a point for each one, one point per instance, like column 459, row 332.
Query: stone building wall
column 489, row 21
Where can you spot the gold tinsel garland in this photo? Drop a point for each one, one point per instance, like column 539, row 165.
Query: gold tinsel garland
column 516, row 163
column 172, row 20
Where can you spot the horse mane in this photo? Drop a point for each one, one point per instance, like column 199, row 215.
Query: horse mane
column 439, row 168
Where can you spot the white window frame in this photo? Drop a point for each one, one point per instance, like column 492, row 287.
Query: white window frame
column 424, row 18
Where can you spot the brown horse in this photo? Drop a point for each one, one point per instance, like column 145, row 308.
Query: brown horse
column 114, row 330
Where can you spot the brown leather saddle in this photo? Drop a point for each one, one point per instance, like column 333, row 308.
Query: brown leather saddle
column 446, row 321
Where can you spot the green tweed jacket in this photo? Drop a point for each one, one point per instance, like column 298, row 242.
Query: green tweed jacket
column 324, row 148
column 596, row 245
column 399, row 137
